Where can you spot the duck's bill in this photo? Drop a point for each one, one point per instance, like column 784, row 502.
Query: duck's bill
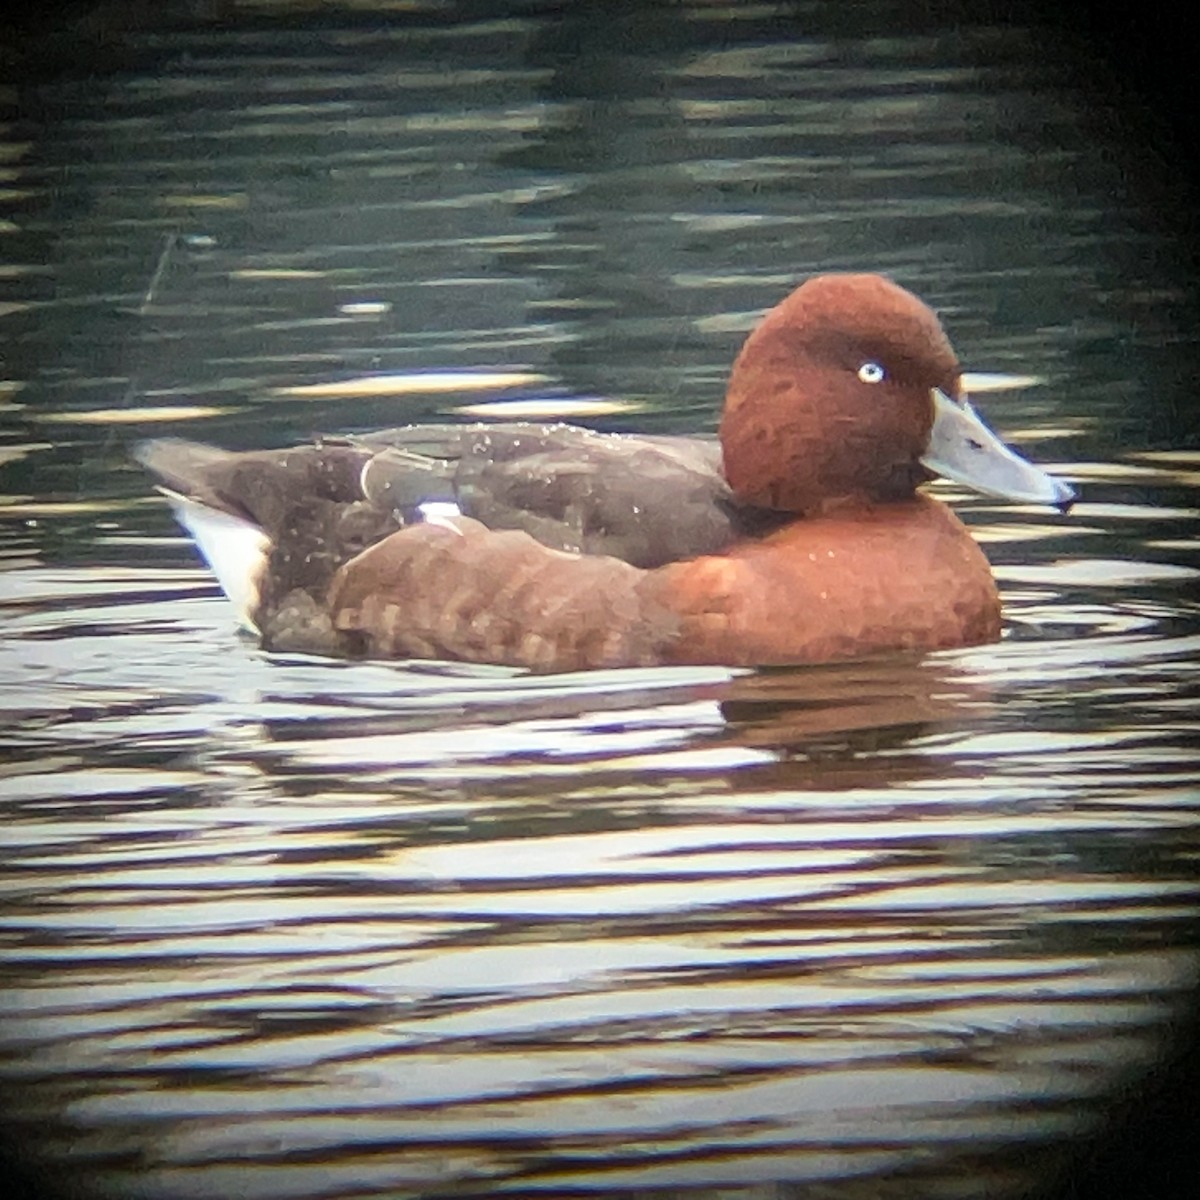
column 964, row 449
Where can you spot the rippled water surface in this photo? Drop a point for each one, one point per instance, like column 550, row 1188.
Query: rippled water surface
column 278, row 927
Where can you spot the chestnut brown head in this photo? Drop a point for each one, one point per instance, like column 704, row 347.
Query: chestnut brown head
column 831, row 397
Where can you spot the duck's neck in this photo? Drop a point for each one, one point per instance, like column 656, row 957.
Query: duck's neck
column 799, row 467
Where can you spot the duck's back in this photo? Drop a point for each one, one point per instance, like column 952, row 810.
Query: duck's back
column 643, row 499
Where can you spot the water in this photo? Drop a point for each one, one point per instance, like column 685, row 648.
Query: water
column 277, row 927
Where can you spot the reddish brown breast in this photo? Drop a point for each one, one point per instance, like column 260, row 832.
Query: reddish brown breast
column 891, row 577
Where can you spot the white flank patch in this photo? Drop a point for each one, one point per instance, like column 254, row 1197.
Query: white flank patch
column 235, row 550
column 440, row 512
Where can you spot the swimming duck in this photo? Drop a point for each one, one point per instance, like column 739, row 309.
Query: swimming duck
column 800, row 538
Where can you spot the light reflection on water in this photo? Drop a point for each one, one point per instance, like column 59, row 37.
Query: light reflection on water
column 283, row 928
column 302, row 924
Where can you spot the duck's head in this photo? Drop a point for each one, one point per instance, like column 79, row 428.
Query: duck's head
column 850, row 392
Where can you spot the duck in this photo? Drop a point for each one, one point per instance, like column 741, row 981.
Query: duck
column 801, row 535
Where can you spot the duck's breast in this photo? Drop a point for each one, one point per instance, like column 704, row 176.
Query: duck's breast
column 891, row 578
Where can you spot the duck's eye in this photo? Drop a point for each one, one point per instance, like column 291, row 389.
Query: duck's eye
column 871, row 372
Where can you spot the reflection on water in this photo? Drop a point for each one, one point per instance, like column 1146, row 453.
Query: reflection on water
column 277, row 927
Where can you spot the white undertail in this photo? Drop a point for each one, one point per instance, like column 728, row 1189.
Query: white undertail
column 235, row 550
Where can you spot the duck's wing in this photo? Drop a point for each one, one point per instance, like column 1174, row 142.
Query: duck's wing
column 643, row 499
column 263, row 486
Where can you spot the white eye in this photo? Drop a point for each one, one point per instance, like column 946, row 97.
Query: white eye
column 871, row 372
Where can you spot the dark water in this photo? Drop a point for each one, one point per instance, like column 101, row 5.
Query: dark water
column 285, row 928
